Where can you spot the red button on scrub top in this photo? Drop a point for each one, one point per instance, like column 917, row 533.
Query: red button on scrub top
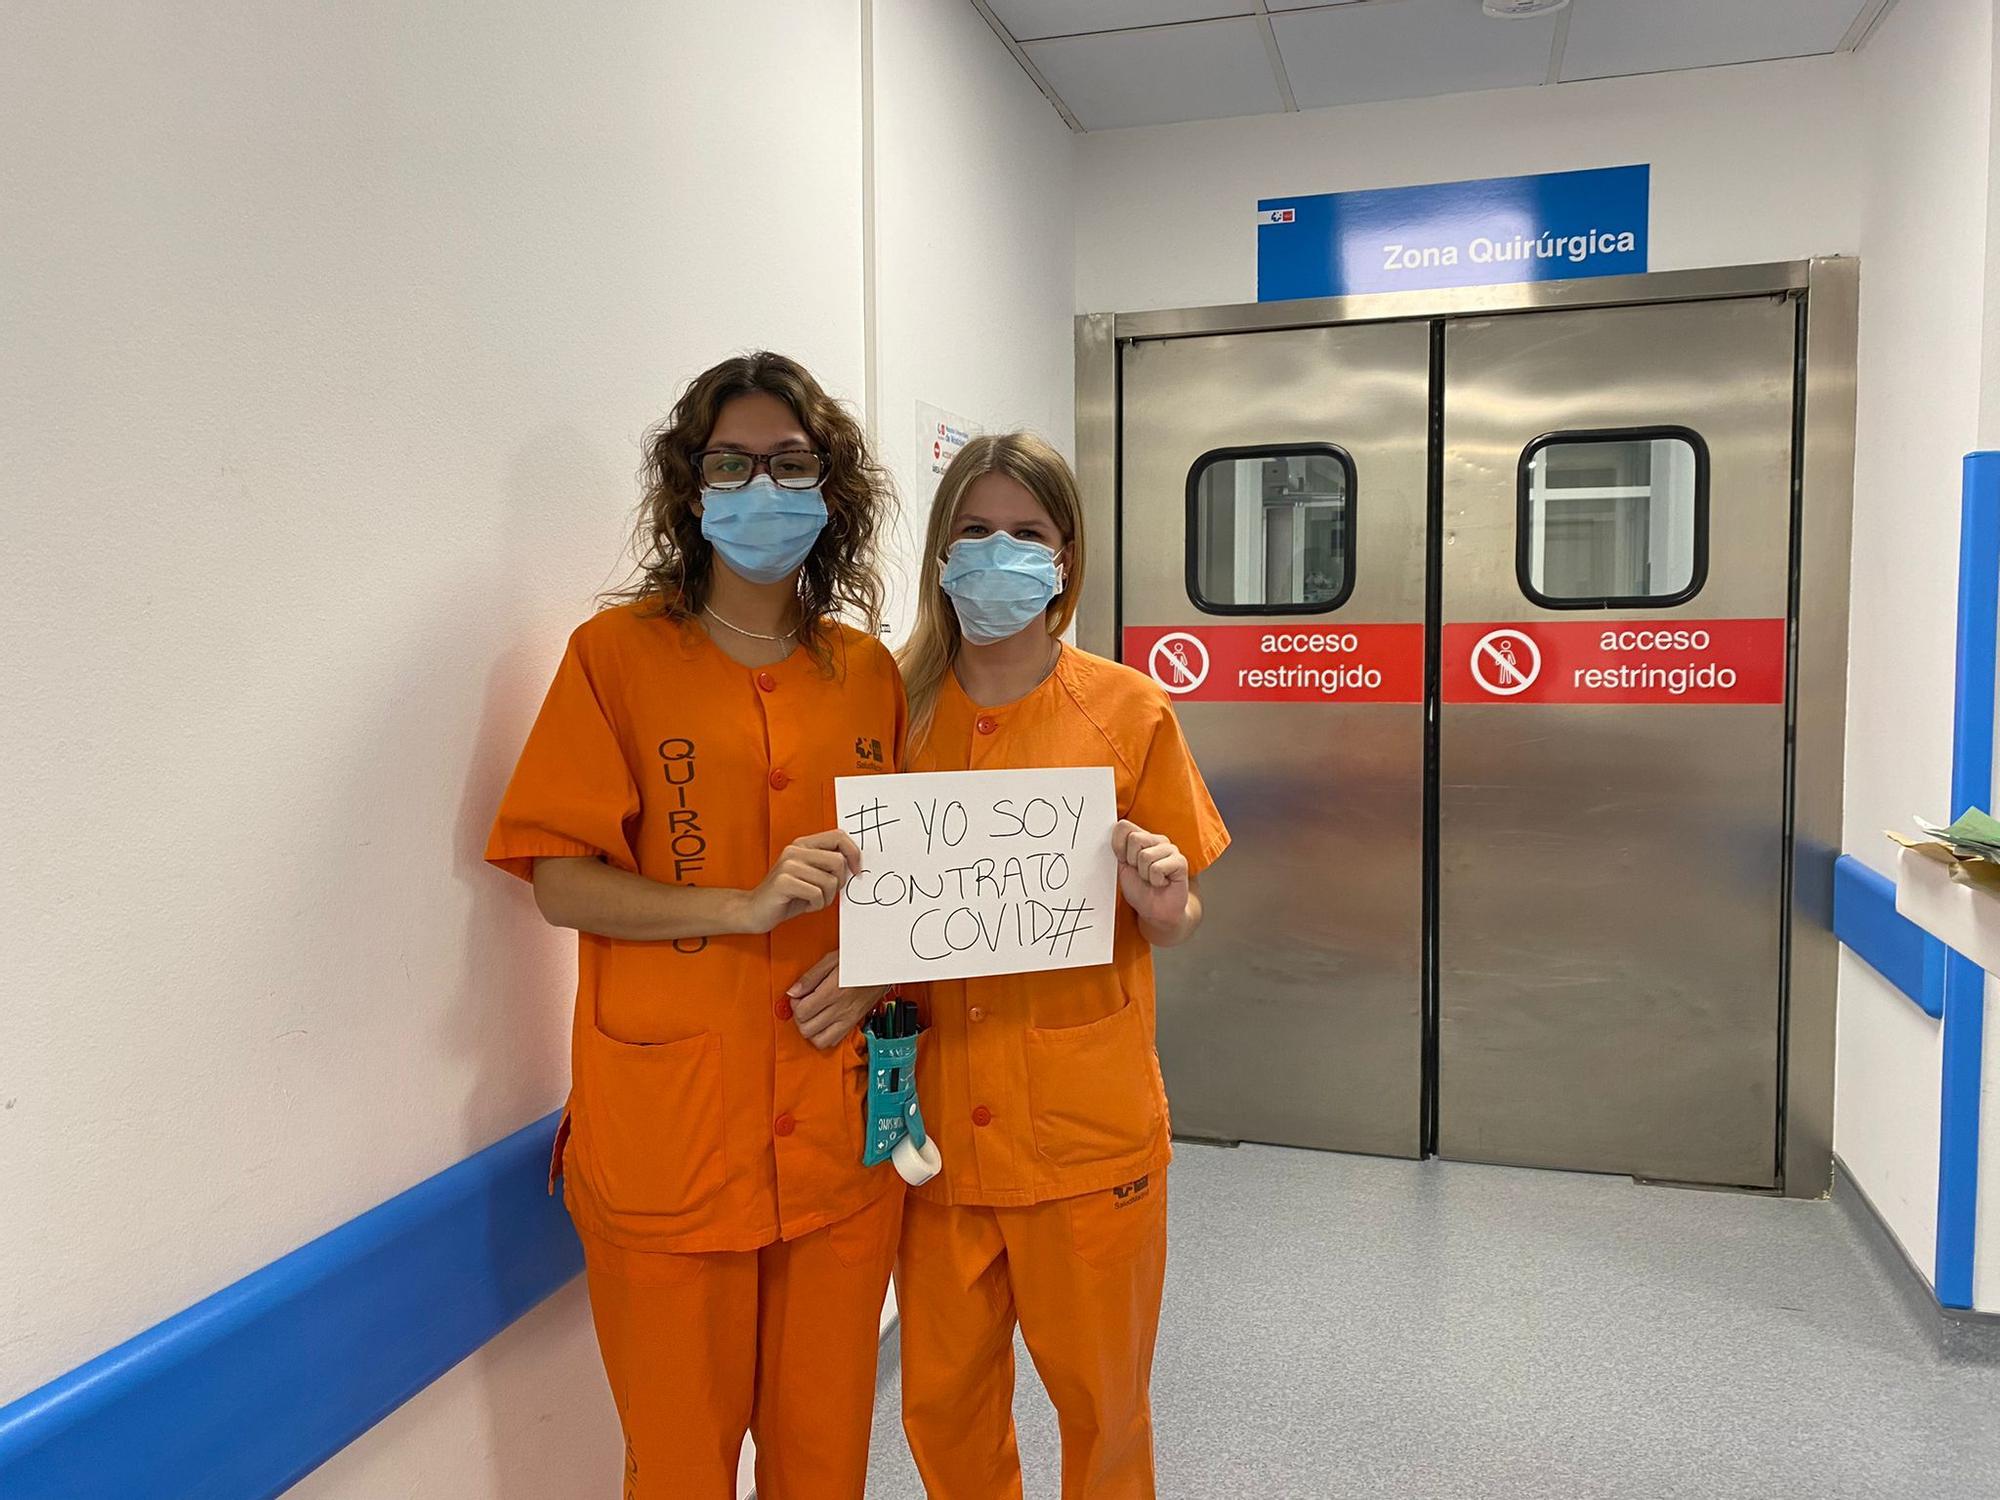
column 785, row 1125
column 982, row 1116
column 779, row 781
column 986, row 724
column 766, row 681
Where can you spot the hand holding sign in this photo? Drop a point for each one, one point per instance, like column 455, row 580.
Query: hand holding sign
column 1152, row 874
column 977, row 872
column 807, row 877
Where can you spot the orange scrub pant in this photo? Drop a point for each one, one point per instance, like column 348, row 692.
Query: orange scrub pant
column 779, row 1342
column 1083, row 1276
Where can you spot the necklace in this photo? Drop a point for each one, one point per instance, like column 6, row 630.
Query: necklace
column 755, row 635
column 1047, row 672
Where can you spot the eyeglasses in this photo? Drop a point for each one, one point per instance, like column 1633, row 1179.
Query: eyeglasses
column 728, row 469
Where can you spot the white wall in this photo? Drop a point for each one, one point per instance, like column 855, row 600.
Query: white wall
column 329, row 340
column 1928, row 81
column 1986, row 1242
column 1927, row 88
column 529, row 1417
column 975, row 249
column 1886, row 1106
column 1749, row 164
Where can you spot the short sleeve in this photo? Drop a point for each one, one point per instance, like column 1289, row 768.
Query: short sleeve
column 572, row 793
column 1172, row 799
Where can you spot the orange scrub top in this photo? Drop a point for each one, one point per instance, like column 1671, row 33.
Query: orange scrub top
column 1042, row 1086
column 699, row 1118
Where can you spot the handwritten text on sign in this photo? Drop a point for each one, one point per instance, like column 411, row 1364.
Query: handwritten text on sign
column 977, row 872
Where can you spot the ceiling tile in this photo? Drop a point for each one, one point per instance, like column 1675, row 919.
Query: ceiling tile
column 1198, row 72
column 1608, row 38
column 1350, row 54
column 1027, row 19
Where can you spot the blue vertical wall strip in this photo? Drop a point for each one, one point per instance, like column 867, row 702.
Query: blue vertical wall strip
column 246, row 1392
column 1971, row 786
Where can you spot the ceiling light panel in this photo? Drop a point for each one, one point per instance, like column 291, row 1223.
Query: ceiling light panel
column 1027, row 20
column 1199, row 72
column 1609, row 38
column 1352, row 54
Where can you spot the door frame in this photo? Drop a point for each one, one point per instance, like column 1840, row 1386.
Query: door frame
column 1826, row 292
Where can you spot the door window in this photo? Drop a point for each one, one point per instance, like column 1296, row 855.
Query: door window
column 1271, row 530
column 1614, row 520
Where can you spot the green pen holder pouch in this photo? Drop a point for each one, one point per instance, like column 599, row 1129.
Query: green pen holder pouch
column 890, row 1112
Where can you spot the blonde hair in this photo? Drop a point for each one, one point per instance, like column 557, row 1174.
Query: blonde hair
column 933, row 643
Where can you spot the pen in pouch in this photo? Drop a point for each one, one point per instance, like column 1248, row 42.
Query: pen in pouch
column 895, row 1074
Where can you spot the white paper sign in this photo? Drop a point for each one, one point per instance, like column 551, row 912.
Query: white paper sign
column 977, row 872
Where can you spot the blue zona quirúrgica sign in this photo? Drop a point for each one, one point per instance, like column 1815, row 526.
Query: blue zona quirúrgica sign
column 1548, row 227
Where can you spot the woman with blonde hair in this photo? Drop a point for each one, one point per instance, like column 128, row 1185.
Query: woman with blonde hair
column 1042, row 1090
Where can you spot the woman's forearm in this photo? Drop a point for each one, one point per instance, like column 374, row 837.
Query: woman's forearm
column 592, row 896
column 1179, row 932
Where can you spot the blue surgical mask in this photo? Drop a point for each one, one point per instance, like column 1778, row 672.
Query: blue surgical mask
column 763, row 531
column 999, row 585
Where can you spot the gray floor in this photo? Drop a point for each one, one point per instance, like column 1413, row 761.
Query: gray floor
column 1347, row 1326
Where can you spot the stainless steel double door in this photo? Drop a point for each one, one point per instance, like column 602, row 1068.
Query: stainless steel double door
column 1461, row 915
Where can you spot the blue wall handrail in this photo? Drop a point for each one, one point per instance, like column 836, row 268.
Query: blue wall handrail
column 1865, row 919
column 249, row 1390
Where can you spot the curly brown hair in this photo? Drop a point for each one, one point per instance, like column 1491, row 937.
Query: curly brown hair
column 675, row 561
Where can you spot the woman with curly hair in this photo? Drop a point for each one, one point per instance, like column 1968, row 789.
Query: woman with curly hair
column 674, row 805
